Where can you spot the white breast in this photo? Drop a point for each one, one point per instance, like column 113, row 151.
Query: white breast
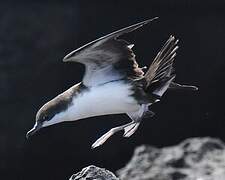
column 111, row 98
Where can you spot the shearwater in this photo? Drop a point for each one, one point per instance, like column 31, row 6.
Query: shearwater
column 113, row 84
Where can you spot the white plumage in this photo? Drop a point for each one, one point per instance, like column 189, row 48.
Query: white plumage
column 110, row 98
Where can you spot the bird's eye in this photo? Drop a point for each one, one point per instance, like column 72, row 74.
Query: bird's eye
column 45, row 117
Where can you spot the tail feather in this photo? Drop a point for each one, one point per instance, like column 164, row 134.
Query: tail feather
column 177, row 86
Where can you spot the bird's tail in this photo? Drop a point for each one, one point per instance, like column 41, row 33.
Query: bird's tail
column 176, row 86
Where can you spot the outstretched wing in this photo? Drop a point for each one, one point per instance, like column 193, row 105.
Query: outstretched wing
column 108, row 58
column 159, row 75
column 161, row 67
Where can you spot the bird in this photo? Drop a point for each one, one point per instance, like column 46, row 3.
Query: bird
column 113, row 83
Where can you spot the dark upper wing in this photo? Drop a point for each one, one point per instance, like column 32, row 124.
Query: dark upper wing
column 162, row 66
column 108, row 58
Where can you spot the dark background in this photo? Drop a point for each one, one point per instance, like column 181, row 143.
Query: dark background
column 35, row 36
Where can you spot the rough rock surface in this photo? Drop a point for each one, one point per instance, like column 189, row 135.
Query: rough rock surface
column 94, row 173
column 193, row 159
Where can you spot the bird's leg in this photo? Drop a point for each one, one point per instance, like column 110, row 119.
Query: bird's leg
column 112, row 131
column 130, row 130
column 137, row 117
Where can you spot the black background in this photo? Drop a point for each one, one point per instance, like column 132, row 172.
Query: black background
column 35, row 36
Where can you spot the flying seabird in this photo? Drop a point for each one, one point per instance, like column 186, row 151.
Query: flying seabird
column 112, row 84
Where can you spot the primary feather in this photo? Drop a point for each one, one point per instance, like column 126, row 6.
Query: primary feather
column 108, row 58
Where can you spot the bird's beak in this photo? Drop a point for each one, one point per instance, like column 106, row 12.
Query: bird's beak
column 36, row 128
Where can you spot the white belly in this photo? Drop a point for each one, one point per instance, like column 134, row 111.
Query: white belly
column 111, row 98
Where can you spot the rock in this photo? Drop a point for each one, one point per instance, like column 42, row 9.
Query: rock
column 93, row 173
column 193, row 159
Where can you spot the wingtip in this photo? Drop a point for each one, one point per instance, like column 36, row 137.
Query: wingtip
column 113, row 34
column 95, row 145
column 172, row 37
column 68, row 56
column 148, row 21
column 65, row 59
column 157, row 17
column 152, row 19
column 134, row 26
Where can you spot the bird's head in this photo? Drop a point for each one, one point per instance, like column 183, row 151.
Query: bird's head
column 51, row 113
